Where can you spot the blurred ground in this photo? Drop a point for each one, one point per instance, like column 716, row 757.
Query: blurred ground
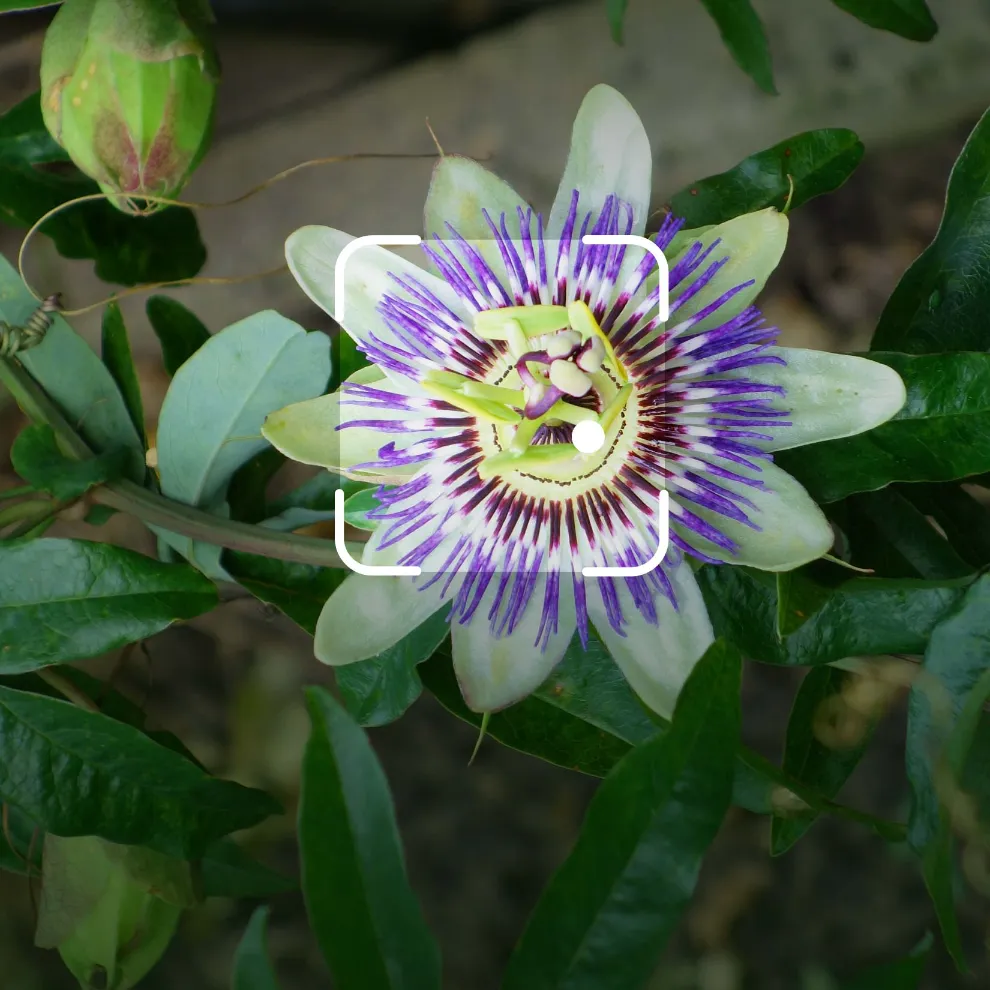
column 482, row 841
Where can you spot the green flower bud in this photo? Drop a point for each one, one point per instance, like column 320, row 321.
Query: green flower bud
column 128, row 89
column 110, row 910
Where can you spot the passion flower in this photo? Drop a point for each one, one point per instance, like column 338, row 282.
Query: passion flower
column 483, row 369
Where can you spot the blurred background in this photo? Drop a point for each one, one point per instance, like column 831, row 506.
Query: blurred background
column 501, row 80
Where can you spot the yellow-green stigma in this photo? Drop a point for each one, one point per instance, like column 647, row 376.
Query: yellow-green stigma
column 559, row 355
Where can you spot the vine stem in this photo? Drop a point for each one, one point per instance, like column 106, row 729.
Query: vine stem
column 67, row 689
column 155, row 509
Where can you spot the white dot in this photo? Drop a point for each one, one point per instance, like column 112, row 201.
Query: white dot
column 588, row 436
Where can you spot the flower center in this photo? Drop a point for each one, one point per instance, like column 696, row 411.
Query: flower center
column 561, row 359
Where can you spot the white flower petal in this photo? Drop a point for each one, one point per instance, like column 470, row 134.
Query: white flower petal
column 827, row 395
column 312, row 254
column 496, row 672
column 793, row 530
column 459, row 191
column 366, row 615
column 656, row 660
column 753, row 243
column 307, row 432
column 610, row 154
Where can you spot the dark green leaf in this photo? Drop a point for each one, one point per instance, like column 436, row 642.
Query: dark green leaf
column 21, row 842
column 79, row 773
column 941, row 301
column 856, row 617
column 163, row 247
column 905, row 974
column 605, row 916
column 909, row 18
column 318, row 494
column 99, row 515
column 346, row 358
column 361, row 907
column 817, row 161
column 180, row 332
column 616, row 11
column 120, row 362
column 944, row 708
column 14, row 5
column 69, row 599
column 36, row 457
column 891, row 514
column 585, row 717
column 252, row 968
column 824, row 768
column 941, row 434
column 298, row 590
column 536, row 726
column 228, row 871
column 963, row 519
column 379, row 690
column 249, row 484
column 743, row 34
column 73, row 376
column 957, row 657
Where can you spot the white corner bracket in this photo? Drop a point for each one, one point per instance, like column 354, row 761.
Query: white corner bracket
column 663, row 314
column 663, row 541
column 369, row 570
column 663, row 304
column 377, row 240
column 369, row 240
column 411, row 240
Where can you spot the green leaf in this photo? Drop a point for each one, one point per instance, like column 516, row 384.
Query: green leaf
column 818, row 162
column 180, row 332
column 252, row 968
column 249, row 485
column 347, row 359
column 380, row 689
column 120, row 362
column 891, row 514
column 909, row 18
column 210, row 423
column 36, row 176
column 944, row 709
column 825, row 621
column 605, row 916
column 79, row 773
column 20, row 842
column 940, row 304
column 212, row 414
column 15, row 5
column 824, row 768
column 743, row 34
column 298, row 590
column 228, row 871
column 542, row 725
column 36, row 457
column 941, row 434
column 585, row 717
column 69, row 599
column 357, row 507
column 963, row 519
column 905, row 974
column 73, row 376
column 616, row 11
column 361, row 907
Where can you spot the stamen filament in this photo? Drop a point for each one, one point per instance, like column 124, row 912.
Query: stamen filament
column 491, row 412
